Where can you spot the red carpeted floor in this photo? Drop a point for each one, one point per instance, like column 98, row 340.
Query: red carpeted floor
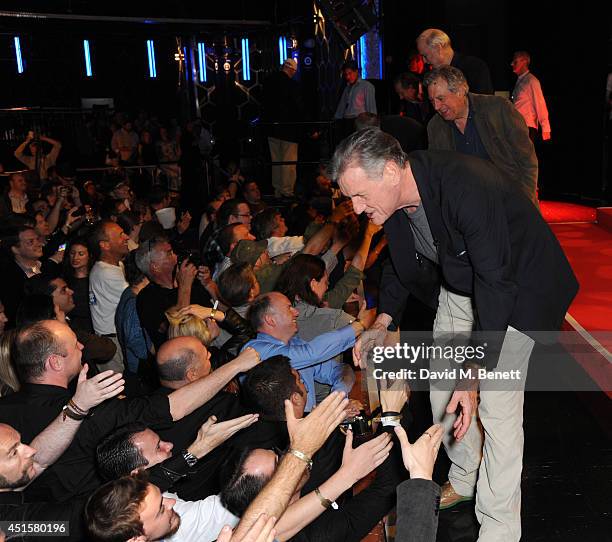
column 555, row 211
column 588, row 247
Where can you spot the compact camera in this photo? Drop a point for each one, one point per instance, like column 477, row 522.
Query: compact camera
column 360, row 425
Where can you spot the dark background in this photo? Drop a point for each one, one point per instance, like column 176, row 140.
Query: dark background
column 569, row 44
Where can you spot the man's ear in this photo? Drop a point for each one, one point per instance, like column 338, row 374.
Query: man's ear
column 296, row 398
column 391, row 172
column 312, row 284
column 190, row 375
column 54, row 362
column 269, row 320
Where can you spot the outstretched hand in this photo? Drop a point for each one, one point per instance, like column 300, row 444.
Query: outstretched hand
column 375, row 336
column 90, row 392
column 361, row 461
column 308, row 434
column 212, row 433
column 420, row 457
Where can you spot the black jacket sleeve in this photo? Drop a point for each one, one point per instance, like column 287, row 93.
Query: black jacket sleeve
column 418, row 503
column 241, row 332
column 392, row 294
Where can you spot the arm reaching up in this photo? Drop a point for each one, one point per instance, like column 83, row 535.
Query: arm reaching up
column 306, row 436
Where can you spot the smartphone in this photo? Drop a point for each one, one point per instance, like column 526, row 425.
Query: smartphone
column 62, row 247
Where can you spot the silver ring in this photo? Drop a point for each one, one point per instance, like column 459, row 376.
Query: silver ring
column 426, row 433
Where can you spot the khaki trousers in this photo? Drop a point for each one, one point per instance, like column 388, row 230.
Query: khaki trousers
column 283, row 177
column 491, row 464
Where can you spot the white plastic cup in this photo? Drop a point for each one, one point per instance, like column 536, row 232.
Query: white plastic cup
column 166, row 217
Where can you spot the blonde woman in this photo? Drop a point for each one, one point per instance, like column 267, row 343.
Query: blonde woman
column 9, row 382
column 203, row 323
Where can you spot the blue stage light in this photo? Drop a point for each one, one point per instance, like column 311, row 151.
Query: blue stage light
column 151, row 55
column 18, row 54
column 246, row 60
column 88, row 71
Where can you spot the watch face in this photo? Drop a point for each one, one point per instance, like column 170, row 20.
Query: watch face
column 190, row 459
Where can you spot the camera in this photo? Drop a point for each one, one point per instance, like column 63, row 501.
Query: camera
column 360, row 425
column 192, row 255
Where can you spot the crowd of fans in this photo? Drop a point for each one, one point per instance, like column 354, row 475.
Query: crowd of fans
column 164, row 376
column 172, row 374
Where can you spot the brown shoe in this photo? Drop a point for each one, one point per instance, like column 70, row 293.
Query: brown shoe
column 449, row 497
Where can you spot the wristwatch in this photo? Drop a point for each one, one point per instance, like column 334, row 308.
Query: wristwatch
column 326, row 503
column 189, row 458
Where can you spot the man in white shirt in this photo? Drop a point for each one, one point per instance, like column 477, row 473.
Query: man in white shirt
column 107, row 282
column 527, row 96
column 160, row 516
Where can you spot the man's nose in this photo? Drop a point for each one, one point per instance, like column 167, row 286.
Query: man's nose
column 29, row 451
column 358, row 207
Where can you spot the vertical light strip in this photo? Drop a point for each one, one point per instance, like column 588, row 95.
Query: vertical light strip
column 363, row 56
column 282, row 49
column 202, row 61
column 18, row 54
column 88, row 71
column 246, row 61
column 151, row 54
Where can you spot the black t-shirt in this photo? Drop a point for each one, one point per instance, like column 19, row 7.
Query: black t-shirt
column 154, row 300
column 74, row 474
column 203, row 479
column 80, row 316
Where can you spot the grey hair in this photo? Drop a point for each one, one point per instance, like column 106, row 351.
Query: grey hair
column 369, row 149
column 145, row 254
column 523, row 54
column 454, row 78
column 432, row 37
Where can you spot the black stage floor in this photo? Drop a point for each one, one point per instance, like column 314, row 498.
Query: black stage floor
column 567, row 474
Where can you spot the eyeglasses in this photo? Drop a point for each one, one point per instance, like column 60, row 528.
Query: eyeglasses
column 237, row 214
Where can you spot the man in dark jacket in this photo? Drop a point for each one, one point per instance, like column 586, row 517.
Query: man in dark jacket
column 282, row 104
column 503, row 272
column 20, row 259
column 435, row 46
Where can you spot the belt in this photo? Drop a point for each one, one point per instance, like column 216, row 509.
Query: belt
column 110, row 335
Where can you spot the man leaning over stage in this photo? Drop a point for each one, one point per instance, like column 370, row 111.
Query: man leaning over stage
column 504, row 271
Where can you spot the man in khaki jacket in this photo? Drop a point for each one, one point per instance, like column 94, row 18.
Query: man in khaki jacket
column 480, row 125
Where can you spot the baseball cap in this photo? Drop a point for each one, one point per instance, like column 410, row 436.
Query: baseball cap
column 247, row 251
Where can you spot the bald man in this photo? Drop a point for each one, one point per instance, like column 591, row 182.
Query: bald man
column 181, row 362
